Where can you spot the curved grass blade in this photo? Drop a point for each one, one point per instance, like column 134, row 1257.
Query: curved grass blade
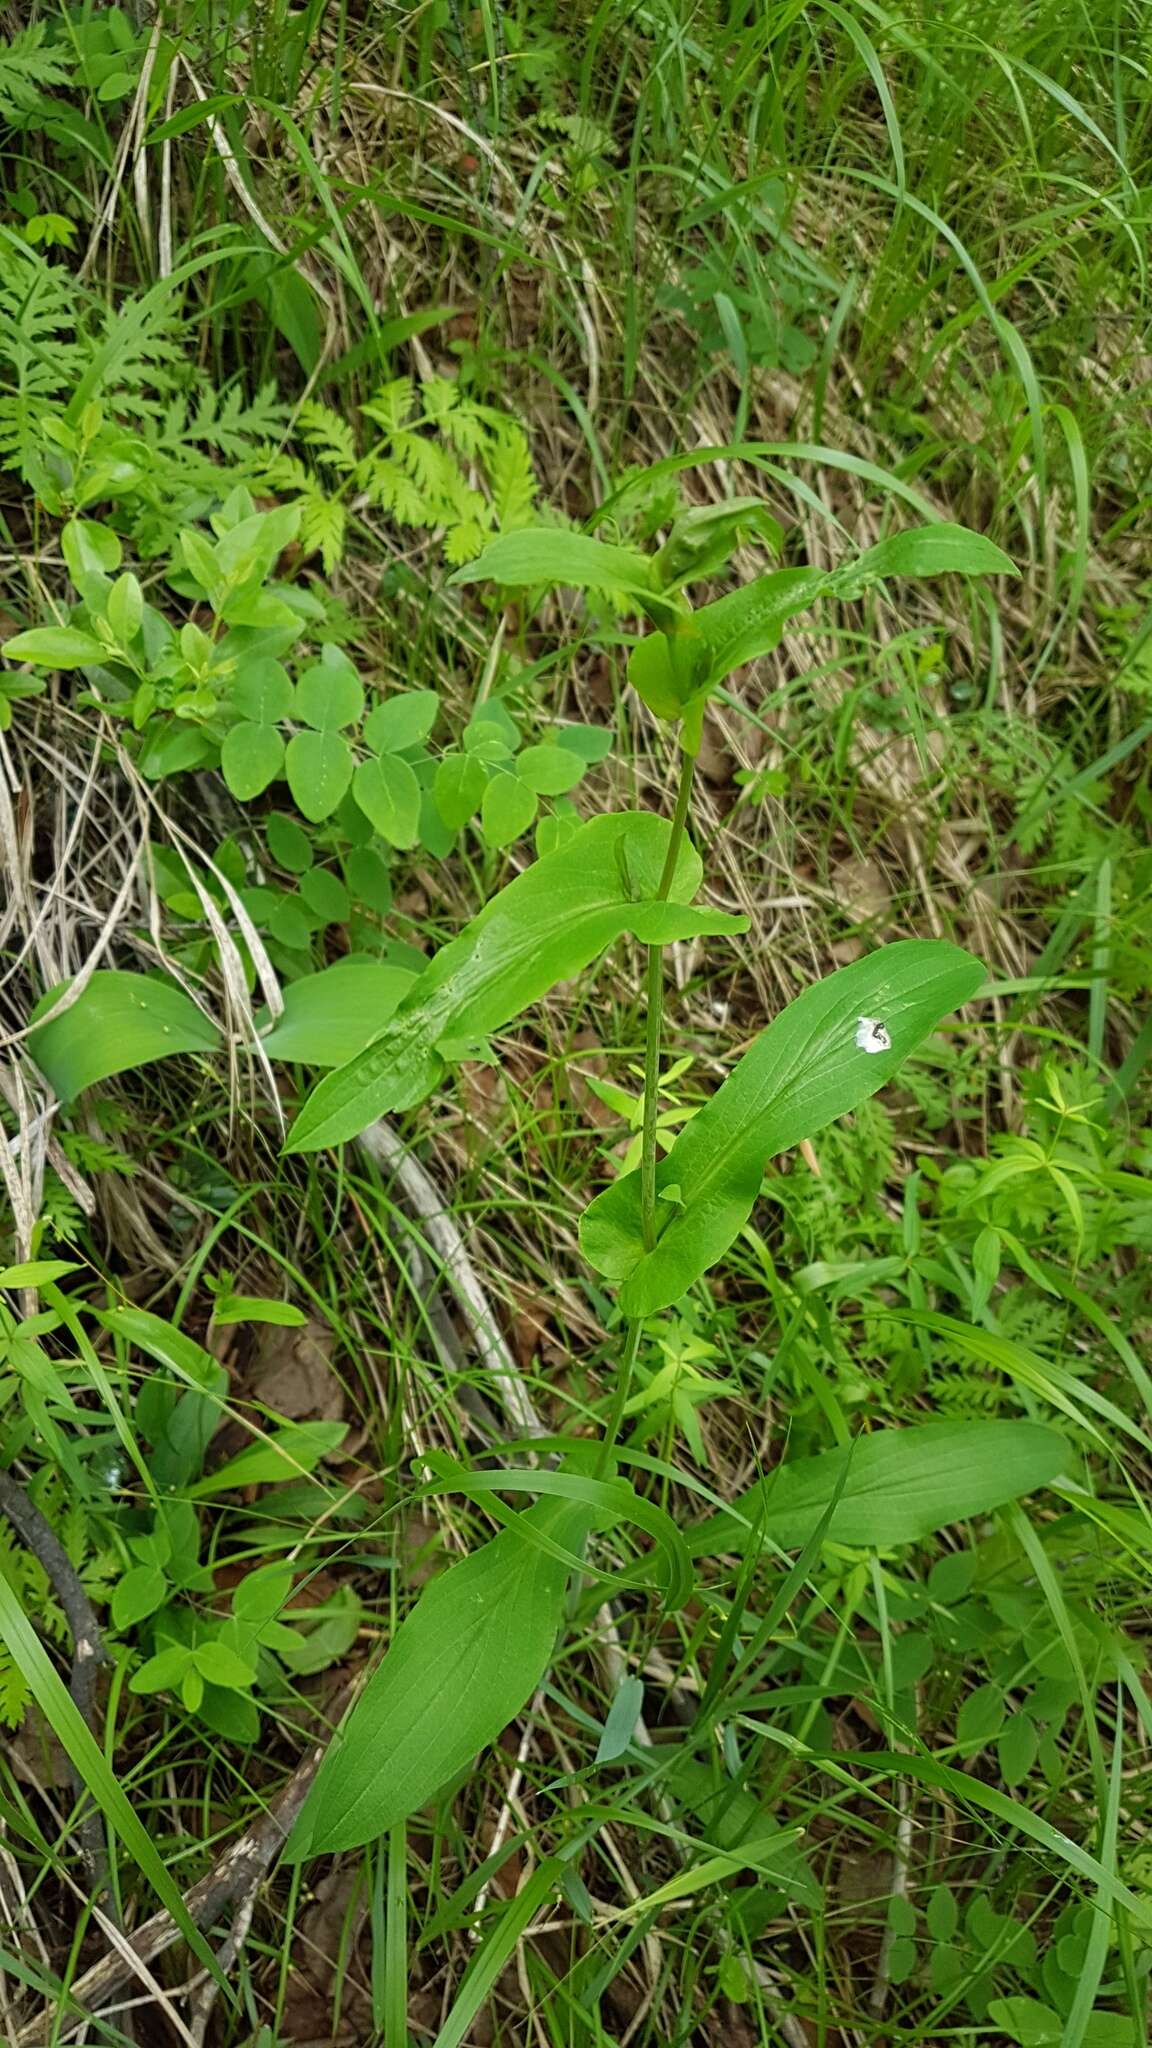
column 71, row 1730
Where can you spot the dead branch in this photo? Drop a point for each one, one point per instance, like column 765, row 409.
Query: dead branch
column 88, row 1652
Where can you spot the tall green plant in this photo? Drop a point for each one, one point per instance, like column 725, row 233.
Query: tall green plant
column 480, row 1637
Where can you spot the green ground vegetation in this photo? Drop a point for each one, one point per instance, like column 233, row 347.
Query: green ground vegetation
column 416, row 426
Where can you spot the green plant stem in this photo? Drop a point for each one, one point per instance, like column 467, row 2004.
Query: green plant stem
column 620, row 1399
column 655, row 1015
column 653, row 1024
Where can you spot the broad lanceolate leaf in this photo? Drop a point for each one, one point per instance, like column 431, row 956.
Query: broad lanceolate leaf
column 120, row 1021
column 178, row 1424
column 550, row 554
column 56, row 647
column 749, row 621
column 286, row 1454
column 331, row 1016
column 459, row 1668
column 938, row 550
column 899, row 1485
column 673, row 672
column 666, row 670
column 812, row 1064
column 543, row 928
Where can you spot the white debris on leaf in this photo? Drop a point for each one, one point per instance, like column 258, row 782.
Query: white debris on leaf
column 872, row 1035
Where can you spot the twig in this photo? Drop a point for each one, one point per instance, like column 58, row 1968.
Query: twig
column 207, row 1988
column 901, row 1857
column 387, row 1148
column 88, row 1651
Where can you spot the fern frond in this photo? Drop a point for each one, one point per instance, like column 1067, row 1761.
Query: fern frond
column 391, row 406
column 140, row 359
column 439, row 397
column 462, row 543
column 389, row 487
column 466, row 429
column 29, row 66
column 41, row 309
column 101, row 1574
column 286, row 474
column 226, row 420
column 510, row 478
column 328, row 434
column 14, row 1693
column 436, row 475
column 323, row 525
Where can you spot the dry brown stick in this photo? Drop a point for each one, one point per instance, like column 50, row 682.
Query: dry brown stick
column 88, row 1652
column 384, row 1145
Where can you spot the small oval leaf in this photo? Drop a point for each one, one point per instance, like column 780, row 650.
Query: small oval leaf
column 549, row 770
column 401, row 721
column 319, row 770
column 461, row 780
column 508, row 809
column 388, row 793
column 251, row 757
